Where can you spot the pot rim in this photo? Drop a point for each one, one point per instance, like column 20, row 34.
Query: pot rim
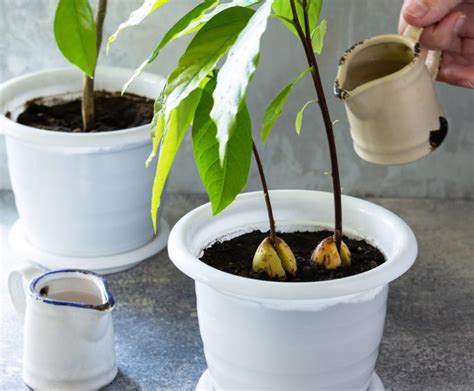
column 395, row 265
column 138, row 134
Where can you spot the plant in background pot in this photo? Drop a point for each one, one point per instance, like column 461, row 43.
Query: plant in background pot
column 316, row 330
column 76, row 156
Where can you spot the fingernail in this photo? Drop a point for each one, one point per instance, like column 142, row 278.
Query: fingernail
column 417, row 9
column 458, row 26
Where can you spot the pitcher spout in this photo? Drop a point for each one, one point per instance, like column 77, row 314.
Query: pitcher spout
column 359, row 103
column 373, row 62
column 372, row 69
column 340, row 90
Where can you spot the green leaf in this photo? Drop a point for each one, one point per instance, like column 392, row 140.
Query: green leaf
column 235, row 75
column 197, row 24
column 179, row 121
column 158, row 129
column 275, row 108
column 317, row 36
column 203, row 53
column 299, row 116
column 283, row 19
column 195, row 14
column 314, row 12
column 74, row 31
column 282, row 9
column 222, row 183
column 136, row 17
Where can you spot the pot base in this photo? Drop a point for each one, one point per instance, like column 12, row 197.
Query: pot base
column 101, row 265
column 205, row 383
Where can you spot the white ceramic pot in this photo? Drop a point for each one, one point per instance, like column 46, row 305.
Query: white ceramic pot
column 291, row 336
column 84, row 195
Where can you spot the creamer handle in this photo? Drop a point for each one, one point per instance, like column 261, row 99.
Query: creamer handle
column 433, row 62
column 18, row 281
column 433, row 59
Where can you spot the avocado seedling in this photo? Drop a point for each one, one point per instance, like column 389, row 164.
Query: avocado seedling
column 79, row 39
column 78, row 36
column 332, row 252
column 273, row 257
column 213, row 103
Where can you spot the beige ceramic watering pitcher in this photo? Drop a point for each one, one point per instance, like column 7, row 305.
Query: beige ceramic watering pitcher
column 390, row 97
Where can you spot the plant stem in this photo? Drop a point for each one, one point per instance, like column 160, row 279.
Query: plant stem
column 87, row 107
column 266, row 195
column 305, row 38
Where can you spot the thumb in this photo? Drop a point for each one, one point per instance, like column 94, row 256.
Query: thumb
column 423, row 13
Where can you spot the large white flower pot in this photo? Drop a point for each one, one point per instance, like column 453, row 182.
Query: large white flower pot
column 291, row 336
column 83, row 199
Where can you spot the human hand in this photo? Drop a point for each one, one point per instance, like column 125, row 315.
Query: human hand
column 448, row 26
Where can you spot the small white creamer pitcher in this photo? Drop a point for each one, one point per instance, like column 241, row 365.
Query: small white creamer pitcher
column 68, row 330
column 390, row 97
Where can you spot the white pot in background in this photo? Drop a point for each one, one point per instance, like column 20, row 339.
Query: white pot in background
column 79, row 195
column 291, row 336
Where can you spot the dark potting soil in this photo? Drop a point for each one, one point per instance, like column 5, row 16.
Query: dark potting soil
column 113, row 112
column 235, row 256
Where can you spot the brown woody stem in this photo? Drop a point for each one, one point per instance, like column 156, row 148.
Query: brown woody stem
column 305, row 37
column 266, row 195
column 87, row 107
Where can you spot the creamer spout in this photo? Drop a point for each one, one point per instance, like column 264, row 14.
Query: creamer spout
column 340, row 92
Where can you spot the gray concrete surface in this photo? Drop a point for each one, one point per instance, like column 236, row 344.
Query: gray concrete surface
column 27, row 45
column 428, row 343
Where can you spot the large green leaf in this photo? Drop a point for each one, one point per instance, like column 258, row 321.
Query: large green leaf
column 317, row 36
column 235, row 75
column 74, row 31
column 157, row 131
column 136, row 17
column 178, row 123
column 157, row 127
column 275, row 108
column 194, row 15
column 299, row 116
column 198, row 23
column 203, row 53
column 283, row 8
column 222, row 183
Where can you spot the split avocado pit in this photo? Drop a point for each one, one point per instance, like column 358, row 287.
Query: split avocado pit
column 236, row 255
column 113, row 112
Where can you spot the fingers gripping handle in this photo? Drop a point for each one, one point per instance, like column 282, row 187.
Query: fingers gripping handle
column 18, row 281
column 413, row 33
column 433, row 62
column 433, row 59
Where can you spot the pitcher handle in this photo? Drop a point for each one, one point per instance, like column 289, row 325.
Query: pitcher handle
column 18, row 281
column 433, row 59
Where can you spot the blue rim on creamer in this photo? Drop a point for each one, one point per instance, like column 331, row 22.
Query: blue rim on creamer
column 109, row 300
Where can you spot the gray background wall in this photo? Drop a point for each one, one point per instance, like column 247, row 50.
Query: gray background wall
column 27, row 44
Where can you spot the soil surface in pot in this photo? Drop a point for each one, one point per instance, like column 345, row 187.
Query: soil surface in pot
column 235, row 256
column 113, row 112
